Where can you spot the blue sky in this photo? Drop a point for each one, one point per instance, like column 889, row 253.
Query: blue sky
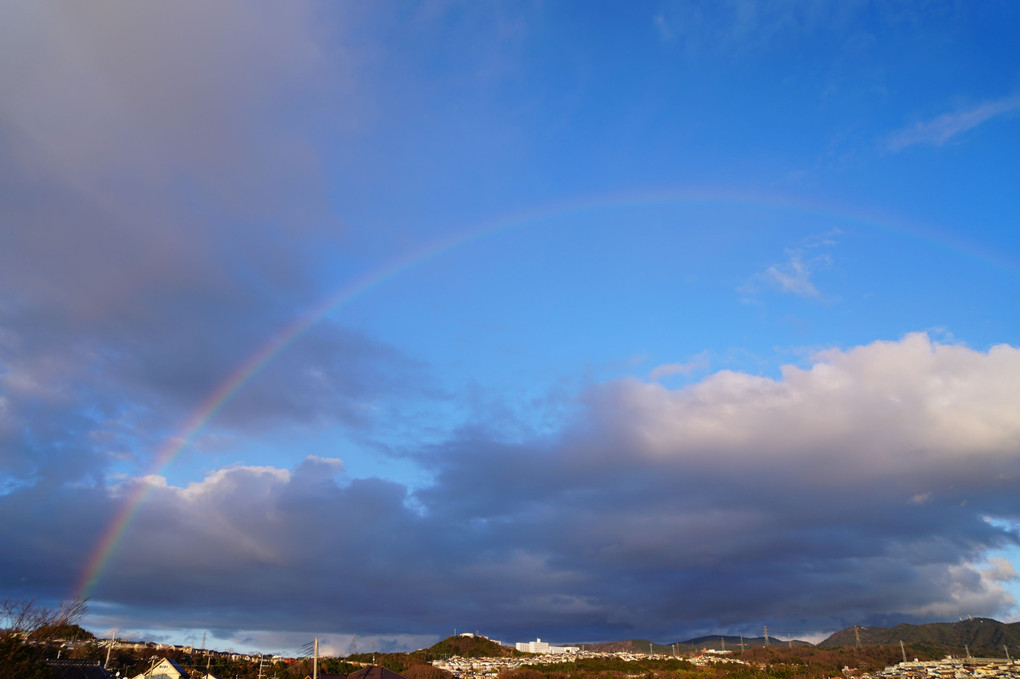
column 592, row 321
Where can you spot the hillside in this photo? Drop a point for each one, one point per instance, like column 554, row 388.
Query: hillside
column 982, row 636
column 468, row 647
column 719, row 642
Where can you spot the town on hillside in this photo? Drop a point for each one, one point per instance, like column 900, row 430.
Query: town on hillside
column 483, row 658
column 55, row 647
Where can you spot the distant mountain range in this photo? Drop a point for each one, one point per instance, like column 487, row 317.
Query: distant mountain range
column 717, row 642
column 979, row 636
column 731, row 643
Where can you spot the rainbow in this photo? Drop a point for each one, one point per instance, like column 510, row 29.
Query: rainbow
column 247, row 369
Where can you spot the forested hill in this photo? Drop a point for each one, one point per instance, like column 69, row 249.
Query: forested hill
column 981, row 636
column 469, row 647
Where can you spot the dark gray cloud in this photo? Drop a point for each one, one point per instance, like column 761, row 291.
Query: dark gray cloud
column 799, row 502
column 133, row 130
column 162, row 196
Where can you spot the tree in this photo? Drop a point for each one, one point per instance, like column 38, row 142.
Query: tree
column 25, row 632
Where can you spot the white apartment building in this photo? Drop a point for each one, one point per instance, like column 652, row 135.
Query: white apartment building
column 539, row 646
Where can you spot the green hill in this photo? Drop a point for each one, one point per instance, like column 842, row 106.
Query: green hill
column 469, row 647
column 981, row 636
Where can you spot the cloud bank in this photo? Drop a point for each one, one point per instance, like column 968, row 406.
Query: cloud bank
column 732, row 502
column 162, row 195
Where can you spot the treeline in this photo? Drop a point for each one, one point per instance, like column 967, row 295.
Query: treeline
column 411, row 665
column 27, row 659
column 28, row 634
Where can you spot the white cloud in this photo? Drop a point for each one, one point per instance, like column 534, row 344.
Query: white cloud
column 328, row 462
column 875, row 408
column 662, row 27
column 699, row 362
column 939, row 130
column 795, row 274
column 1000, row 570
column 791, row 276
column 971, row 587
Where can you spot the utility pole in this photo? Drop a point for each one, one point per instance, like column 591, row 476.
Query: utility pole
column 741, row 643
column 722, row 643
column 903, row 650
column 315, row 664
column 857, row 635
column 766, row 627
column 1006, row 648
column 967, row 648
column 113, row 640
